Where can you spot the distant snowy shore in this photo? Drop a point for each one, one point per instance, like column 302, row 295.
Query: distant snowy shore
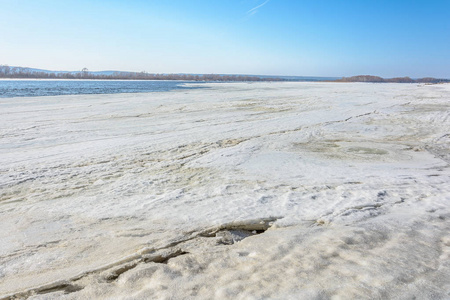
column 287, row 190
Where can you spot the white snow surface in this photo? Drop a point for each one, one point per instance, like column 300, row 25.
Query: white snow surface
column 158, row 195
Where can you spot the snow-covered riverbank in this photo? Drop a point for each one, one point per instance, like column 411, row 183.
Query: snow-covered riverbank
column 237, row 191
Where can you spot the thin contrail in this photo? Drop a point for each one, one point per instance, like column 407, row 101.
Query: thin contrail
column 253, row 10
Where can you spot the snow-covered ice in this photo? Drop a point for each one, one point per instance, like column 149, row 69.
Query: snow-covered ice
column 233, row 191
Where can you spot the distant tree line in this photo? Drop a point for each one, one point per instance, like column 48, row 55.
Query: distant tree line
column 370, row 78
column 19, row 72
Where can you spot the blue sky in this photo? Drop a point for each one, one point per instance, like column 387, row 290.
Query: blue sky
column 272, row 37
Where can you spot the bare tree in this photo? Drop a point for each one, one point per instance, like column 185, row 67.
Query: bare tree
column 85, row 72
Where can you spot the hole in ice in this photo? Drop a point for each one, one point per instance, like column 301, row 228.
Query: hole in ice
column 231, row 233
column 229, row 237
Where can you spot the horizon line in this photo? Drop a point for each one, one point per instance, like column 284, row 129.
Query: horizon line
column 238, row 74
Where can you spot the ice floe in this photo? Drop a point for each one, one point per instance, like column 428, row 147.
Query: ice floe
column 235, row 191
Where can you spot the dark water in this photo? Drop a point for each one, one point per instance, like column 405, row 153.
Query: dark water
column 30, row 88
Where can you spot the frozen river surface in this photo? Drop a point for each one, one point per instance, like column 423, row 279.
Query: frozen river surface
column 233, row 191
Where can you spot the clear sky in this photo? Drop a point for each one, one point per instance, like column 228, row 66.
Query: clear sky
column 273, row 37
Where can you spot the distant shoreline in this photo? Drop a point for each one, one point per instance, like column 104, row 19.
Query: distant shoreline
column 343, row 80
column 21, row 73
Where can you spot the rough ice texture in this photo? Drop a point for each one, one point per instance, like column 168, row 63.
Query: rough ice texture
column 234, row 191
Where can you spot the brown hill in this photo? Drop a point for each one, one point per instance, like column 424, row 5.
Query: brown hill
column 371, row 78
